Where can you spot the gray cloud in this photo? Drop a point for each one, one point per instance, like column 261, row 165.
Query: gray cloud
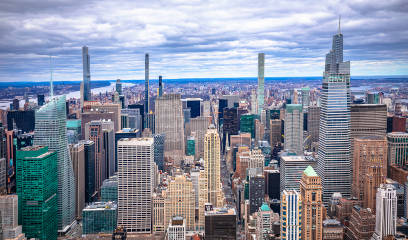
column 214, row 38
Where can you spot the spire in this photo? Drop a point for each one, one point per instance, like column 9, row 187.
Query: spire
column 51, row 83
column 339, row 25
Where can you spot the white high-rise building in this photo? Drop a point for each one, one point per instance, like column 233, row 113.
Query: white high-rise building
column 176, row 229
column 386, row 212
column 135, row 181
column 294, row 129
column 334, row 160
column 291, row 215
column 256, row 158
column 261, row 81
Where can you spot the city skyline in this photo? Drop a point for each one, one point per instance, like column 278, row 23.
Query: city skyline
column 187, row 40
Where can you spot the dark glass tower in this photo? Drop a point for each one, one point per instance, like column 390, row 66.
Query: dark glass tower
column 86, row 74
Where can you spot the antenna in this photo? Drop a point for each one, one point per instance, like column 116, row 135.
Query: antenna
column 51, row 83
column 339, row 24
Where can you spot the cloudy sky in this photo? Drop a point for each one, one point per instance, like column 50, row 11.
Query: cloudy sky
column 193, row 38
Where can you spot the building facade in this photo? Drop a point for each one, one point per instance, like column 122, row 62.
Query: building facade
column 291, row 215
column 312, row 205
column 397, row 149
column 37, row 191
column 77, row 152
column 169, row 121
column 294, row 128
column 369, row 168
column 261, row 80
column 135, row 184
column 99, row 217
column 334, row 160
column 179, row 200
column 50, row 131
column 212, row 161
column 386, row 213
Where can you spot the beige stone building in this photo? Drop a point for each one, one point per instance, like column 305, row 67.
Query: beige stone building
column 312, row 205
column 179, row 200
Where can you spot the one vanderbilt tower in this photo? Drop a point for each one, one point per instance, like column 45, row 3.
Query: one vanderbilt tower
column 334, row 162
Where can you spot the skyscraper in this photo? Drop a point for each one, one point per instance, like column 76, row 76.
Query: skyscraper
column 86, row 74
column 312, row 205
column 334, row 162
column 160, row 86
column 101, row 133
column 89, row 151
column 313, row 120
column 305, row 97
column 9, row 218
column 291, row 215
column 386, row 213
column 369, row 168
column 261, row 80
column 135, row 161
column 146, row 106
column 212, row 161
column 179, row 200
column 50, row 131
column 77, row 152
column 397, row 148
column 169, row 121
column 294, row 129
column 37, row 191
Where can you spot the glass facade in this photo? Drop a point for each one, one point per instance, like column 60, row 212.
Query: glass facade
column 99, row 217
column 51, row 131
column 334, row 160
column 37, row 192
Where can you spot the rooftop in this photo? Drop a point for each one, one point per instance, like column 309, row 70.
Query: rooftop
column 221, row 211
column 309, row 171
column 370, row 138
column 297, row 158
column 135, row 141
column 265, row 207
column 100, row 206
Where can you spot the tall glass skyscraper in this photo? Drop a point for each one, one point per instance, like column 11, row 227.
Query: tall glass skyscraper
column 51, row 131
column 86, row 74
column 261, row 81
column 334, row 162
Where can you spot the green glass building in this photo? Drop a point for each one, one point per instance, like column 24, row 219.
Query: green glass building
column 247, row 124
column 109, row 189
column 190, row 146
column 37, row 192
column 99, row 217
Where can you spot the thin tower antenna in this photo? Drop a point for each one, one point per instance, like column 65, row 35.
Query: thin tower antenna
column 339, row 24
column 51, row 83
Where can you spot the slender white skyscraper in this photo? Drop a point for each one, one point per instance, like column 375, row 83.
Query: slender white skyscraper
column 261, row 80
column 135, row 163
column 291, row 215
column 146, row 106
column 334, row 162
column 386, row 212
column 86, row 65
column 51, row 131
